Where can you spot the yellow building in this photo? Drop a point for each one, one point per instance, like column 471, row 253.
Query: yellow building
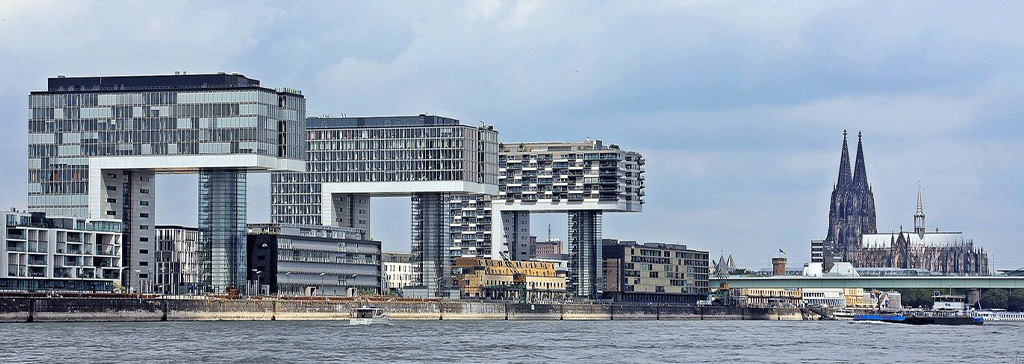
column 855, row 298
column 496, row 279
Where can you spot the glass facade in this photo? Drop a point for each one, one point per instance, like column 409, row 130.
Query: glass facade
column 585, row 273
column 80, row 122
column 222, row 229
column 390, row 149
column 381, row 149
column 430, row 242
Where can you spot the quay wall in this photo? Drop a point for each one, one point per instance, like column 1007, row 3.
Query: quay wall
column 48, row 309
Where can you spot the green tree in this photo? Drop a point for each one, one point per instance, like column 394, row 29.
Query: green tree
column 1016, row 300
column 994, row 298
column 916, row 297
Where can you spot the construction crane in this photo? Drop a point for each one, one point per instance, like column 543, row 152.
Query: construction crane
column 518, row 278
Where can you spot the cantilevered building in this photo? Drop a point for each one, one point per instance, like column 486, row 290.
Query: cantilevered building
column 429, row 158
column 581, row 179
column 96, row 144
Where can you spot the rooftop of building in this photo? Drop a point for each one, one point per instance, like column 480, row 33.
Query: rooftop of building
column 328, row 122
column 589, row 144
column 175, row 227
column 312, row 231
column 177, row 82
column 632, row 243
column 40, row 220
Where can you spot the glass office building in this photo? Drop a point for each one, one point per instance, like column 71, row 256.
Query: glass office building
column 96, row 144
column 426, row 157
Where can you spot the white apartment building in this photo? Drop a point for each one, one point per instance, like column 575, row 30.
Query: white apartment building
column 60, row 253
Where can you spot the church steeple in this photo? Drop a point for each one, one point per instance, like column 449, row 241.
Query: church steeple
column 860, row 174
column 919, row 215
column 844, row 166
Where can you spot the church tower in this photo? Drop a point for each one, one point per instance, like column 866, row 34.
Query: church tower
column 862, row 191
column 852, row 210
column 919, row 215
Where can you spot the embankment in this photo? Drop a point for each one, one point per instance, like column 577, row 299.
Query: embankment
column 40, row 309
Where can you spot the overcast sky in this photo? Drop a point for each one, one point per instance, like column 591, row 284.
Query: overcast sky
column 738, row 107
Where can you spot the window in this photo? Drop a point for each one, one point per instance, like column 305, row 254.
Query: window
column 143, row 251
column 111, row 200
column 111, row 213
column 143, row 239
column 654, row 274
column 111, row 188
column 112, row 175
column 143, row 190
column 143, row 227
column 143, row 264
column 144, row 203
column 143, row 275
column 143, row 215
column 144, row 179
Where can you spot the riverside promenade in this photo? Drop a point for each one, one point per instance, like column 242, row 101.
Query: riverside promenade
column 81, row 309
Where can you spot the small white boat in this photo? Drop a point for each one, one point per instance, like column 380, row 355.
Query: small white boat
column 843, row 314
column 369, row 316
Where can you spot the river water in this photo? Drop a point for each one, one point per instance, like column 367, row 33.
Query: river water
column 510, row 342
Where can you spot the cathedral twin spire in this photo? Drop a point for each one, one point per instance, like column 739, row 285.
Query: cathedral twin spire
column 859, row 178
column 852, row 211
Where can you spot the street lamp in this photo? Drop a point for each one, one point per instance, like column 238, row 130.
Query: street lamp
column 286, row 278
column 138, row 273
column 322, row 284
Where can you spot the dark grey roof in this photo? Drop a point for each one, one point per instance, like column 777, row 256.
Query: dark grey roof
column 378, row 121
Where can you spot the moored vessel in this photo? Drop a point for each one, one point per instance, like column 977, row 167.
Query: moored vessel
column 946, row 310
column 1000, row 315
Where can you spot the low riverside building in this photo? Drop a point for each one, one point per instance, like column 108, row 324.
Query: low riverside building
column 176, row 271
column 397, row 271
column 769, row 297
column 294, row 259
column 60, row 253
column 826, row 297
column 496, row 279
column 654, row 272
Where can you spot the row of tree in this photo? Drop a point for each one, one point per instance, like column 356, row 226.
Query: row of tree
column 1010, row 300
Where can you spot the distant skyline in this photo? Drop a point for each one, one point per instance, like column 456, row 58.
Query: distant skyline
column 738, row 107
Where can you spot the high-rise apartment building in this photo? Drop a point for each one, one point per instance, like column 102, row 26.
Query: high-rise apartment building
column 428, row 158
column 95, row 145
column 470, row 226
column 584, row 180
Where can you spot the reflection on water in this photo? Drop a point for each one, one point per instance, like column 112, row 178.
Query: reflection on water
column 509, row 341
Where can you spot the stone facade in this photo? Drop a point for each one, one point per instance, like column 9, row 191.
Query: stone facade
column 852, row 211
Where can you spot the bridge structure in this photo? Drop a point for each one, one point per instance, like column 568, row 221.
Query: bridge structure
column 924, row 282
